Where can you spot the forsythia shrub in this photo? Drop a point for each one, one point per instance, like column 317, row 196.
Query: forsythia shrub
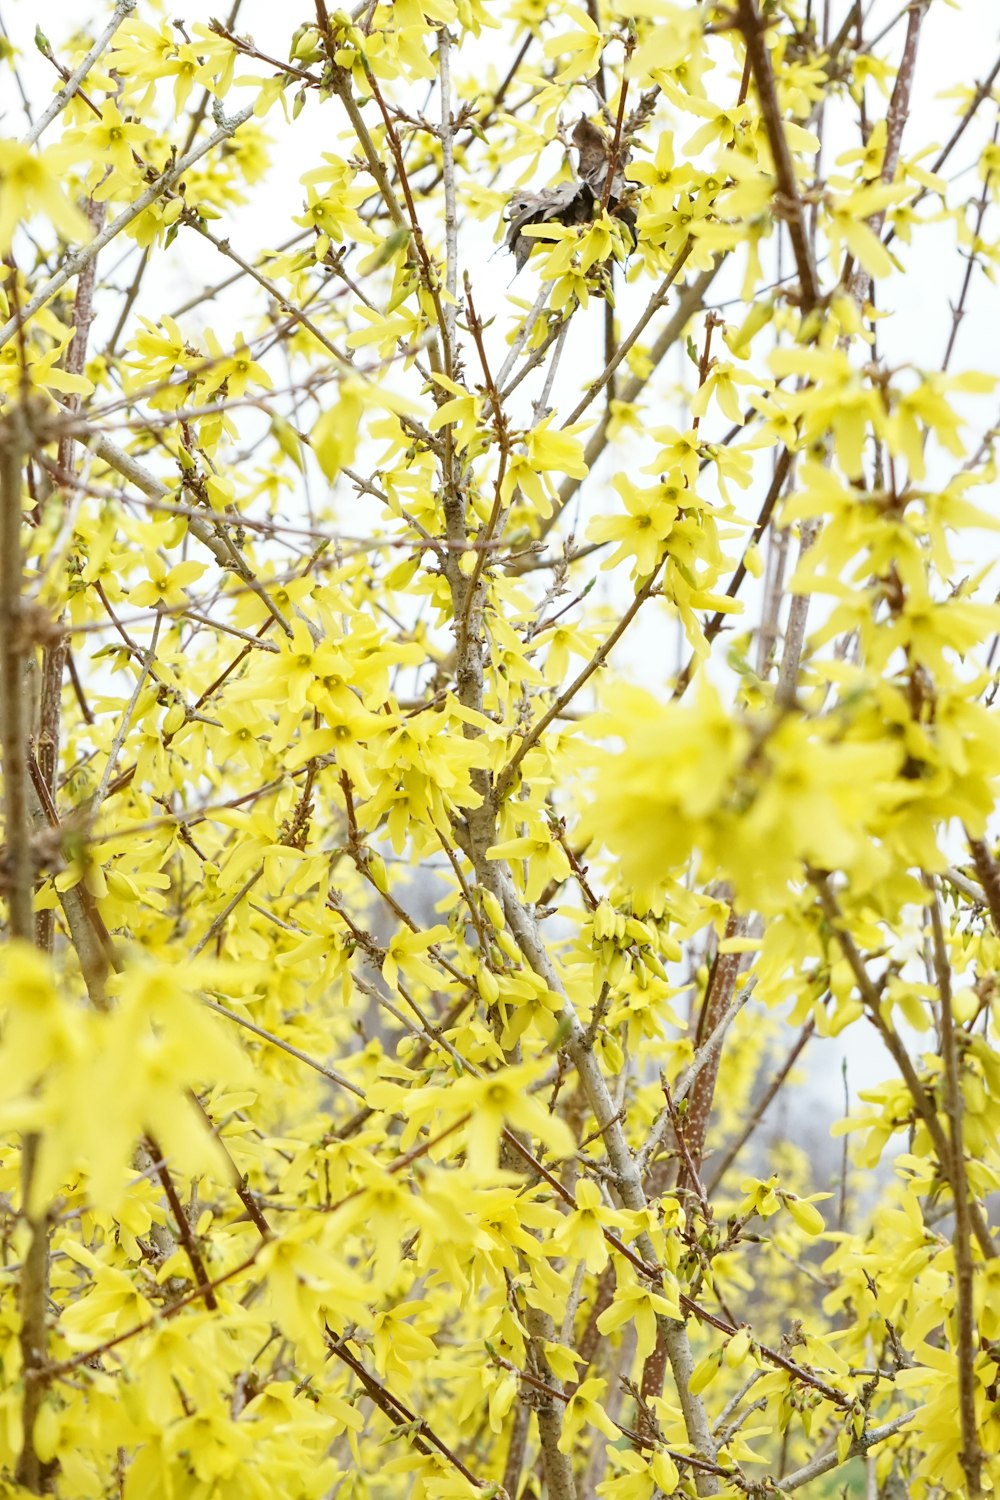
column 404, row 947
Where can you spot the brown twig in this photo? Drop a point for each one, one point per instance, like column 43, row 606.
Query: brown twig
column 52, row 1372
column 958, row 311
column 789, row 204
column 16, row 439
column 711, row 630
column 983, row 91
column 397, row 1411
column 615, row 151
column 989, row 878
column 718, row 995
column 32, row 1300
column 922, row 1100
column 184, row 1230
column 276, row 1041
column 895, row 123
column 971, row 1456
column 652, row 307
column 488, row 531
column 774, row 1357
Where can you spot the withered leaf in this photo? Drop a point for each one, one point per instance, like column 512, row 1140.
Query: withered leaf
column 567, row 203
column 572, row 202
column 595, row 156
column 593, row 150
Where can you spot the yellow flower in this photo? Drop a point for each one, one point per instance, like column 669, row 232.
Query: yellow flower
column 29, row 185
column 502, row 1099
column 582, row 1233
column 544, row 861
column 643, row 531
column 637, row 1303
column 164, row 587
column 584, row 1410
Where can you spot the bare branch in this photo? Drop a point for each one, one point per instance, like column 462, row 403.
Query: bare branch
column 790, row 203
column 123, row 8
column 75, row 263
column 824, row 1462
column 16, row 439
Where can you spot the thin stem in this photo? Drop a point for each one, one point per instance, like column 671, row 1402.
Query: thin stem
column 34, row 1292
column 54, row 1372
column 220, row 544
column 958, row 311
column 781, row 471
column 795, row 630
column 689, row 303
column 652, row 308
column 789, row 203
column 184, row 1230
column 223, row 246
column 220, row 921
column 74, row 264
column 824, row 1462
column 398, row 1413
column 277, row 1041
column 523, row 334
column 15, row 444
column 506, row 777
column 983, row 91
column 126, row 720
column 971, row 1456
column 70, row 87
column 450, row 207
column 923, row 1102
